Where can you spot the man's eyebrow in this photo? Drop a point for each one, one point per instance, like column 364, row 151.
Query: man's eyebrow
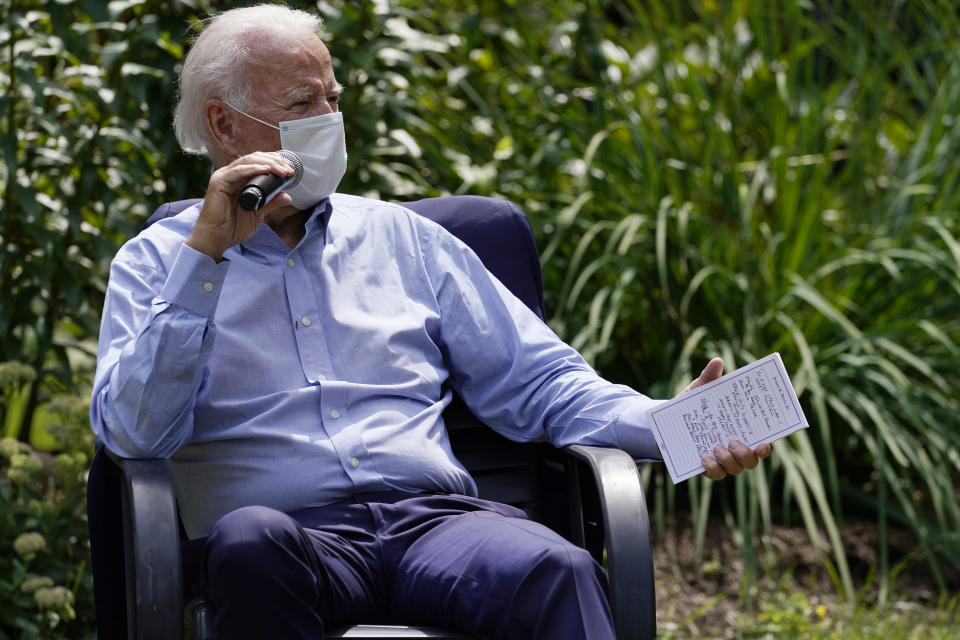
column 303, row 93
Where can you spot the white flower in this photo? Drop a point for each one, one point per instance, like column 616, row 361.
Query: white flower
column 36, row 582
column 53, row 597
column 28, row 544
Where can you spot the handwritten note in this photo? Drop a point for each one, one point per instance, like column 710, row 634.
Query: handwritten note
column 754, row 404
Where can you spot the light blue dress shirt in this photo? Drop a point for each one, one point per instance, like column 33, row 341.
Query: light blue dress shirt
column 295, row 378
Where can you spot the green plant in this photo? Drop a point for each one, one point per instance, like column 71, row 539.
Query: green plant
column 16, row 383
column 85, row 95
column 796, row 615
column 45, row 582
column 730, row 178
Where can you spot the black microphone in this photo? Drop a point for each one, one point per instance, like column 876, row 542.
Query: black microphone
column 261, row 189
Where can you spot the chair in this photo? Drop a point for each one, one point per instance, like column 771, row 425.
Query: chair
column 590, row 495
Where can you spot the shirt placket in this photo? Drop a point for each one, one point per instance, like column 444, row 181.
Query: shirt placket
column 318, row 369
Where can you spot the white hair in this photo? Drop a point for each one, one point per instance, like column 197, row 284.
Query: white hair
column 216, row 64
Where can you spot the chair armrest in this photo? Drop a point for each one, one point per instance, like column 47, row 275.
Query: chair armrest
column 626, row 539
column 151, row 550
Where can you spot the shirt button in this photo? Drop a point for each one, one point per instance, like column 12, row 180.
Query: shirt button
column 291, row 263
column 335, row 414
column 208, row 286
column 354, row 463
column 305, row 321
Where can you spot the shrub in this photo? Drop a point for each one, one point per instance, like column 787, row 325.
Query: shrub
column 46, row 590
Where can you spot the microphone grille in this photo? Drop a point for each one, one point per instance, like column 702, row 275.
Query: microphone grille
column 294, row 161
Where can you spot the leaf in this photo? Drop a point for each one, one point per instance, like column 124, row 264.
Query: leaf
column 135, row 69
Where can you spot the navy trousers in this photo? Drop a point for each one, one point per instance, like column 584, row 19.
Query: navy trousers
column 439, row 560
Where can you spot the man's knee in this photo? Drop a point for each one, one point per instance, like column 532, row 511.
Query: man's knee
column 566, row 566
column 250, row 543
column 260, row 576
column 564, row 595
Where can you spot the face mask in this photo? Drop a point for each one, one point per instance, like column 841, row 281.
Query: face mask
column 321, row 145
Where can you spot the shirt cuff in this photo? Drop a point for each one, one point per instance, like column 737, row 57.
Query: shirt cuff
column 634, row 433
column 195, row 281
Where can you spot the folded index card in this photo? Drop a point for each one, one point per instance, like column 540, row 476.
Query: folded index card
column 754, row 404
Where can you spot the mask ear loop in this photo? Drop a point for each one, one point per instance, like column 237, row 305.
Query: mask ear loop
column 250, row 116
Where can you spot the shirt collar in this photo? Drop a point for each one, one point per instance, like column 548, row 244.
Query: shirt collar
column 265, row 246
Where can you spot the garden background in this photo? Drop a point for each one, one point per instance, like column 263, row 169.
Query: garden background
column 704, row 177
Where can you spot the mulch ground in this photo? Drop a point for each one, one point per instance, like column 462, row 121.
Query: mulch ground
column 708, row 596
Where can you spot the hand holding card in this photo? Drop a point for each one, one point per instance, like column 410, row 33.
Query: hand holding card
column 754, row 404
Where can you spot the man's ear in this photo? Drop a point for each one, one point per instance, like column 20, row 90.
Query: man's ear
column 222, row 126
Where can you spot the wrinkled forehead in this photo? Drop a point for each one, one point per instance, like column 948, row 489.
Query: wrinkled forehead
column 289, row 63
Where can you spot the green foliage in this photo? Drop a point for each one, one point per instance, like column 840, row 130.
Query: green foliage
column 795, row 614
column 46, row 589
column 707, row 178
column 720, row 178
column 85, row 100
column 16, row 383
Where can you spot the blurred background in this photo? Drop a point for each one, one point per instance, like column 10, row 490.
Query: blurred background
column 704, row 177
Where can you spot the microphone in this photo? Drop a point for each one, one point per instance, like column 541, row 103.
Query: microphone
column 262, row 189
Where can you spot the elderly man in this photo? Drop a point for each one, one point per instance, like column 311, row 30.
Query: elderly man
column 292, row 363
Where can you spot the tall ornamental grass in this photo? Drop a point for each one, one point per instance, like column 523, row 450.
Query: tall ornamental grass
column 720, row 178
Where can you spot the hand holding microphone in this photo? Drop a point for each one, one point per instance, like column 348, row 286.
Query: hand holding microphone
column 228, row 216
column 263, row 188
